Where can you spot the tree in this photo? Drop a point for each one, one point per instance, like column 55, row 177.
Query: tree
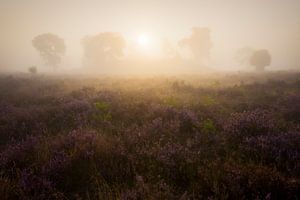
column 103, row 48
column 260, row 59
column 32, row 69
column 243, row 56
column 169, row 50
column 199, row 43
column 51, row 48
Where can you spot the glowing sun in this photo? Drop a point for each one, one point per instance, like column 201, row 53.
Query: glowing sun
column 143, row 40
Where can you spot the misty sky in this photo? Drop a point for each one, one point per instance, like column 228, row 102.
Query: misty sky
column 270, row 24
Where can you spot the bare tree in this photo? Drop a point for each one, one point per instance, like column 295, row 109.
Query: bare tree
column 260, row 59
column 103, row 48
column 51, row 48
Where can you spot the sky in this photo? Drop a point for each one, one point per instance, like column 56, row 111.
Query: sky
column 260, row 24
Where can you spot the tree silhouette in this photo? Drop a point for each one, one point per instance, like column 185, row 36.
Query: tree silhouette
column 199, row 43
column 243, row 55
column 103, row 48
column 32, row 69
column 260, row 59
column 51, row 48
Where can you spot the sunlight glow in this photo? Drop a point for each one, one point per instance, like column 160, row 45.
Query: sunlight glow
column 143, row 40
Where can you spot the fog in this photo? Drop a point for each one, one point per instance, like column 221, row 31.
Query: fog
column 177, row 36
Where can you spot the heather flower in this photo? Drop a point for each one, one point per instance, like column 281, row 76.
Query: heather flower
column 37, row 187
column 289, row 107
column 281, row 150
column 107, row 138
column 19, row 154
column 249, row 124
column 57, row 164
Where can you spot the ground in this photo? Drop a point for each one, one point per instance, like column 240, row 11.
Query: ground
column 217, row 136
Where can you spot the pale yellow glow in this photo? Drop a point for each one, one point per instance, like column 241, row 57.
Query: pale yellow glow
column 145, row 24
column 143, row 40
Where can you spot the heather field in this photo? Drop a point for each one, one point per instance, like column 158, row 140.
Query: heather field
column 217, row 136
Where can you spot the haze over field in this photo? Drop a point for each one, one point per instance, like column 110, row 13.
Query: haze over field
column 149, row 99
column 171, row 34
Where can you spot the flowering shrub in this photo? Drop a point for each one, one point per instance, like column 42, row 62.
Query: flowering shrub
column 19, row 154
column 150, row 138
column 280, row 150
column 37, row 187
column 249, row 124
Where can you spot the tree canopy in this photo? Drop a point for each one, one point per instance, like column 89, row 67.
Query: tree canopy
column 51, row 48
